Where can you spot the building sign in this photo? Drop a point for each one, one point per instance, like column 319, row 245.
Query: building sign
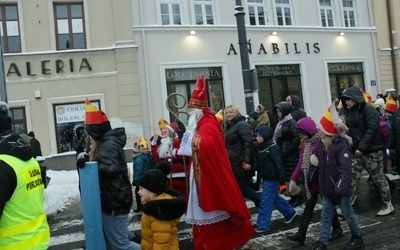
column 277, row 48
column 185, row 74
column 71, row 112
column 48, row 67
column 341, row 68
column 278, row 70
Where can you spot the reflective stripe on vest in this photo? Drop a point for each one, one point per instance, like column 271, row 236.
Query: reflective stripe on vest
column 23, row 224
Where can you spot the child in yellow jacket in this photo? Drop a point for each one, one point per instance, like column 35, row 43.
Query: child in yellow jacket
column 162, row 209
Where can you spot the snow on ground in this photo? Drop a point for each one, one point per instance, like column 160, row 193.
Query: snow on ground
column 61, row 191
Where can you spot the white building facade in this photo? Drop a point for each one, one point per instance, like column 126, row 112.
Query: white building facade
column 310, row 48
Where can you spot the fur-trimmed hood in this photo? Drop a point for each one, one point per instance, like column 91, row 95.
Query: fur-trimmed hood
column 169, row 205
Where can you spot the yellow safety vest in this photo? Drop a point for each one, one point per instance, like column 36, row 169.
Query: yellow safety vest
column 23, row 224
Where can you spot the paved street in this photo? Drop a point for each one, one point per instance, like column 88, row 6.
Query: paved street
column 379, row 232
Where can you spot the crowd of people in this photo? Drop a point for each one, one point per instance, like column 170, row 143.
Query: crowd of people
column 207, row 169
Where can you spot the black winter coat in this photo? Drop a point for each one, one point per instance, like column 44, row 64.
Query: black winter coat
column 362, row 119
column 289, row 142
column 238, row 141
column 115, row 187
column 394, row 141
column 269, row 162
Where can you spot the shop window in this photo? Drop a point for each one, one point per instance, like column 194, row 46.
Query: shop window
column 257, row 12
column 326, row 11
column 18, row 117
column 276, row 82
column 343, row 76
column 10, row 36
column 70, row 26
column 67, row 118
column 283, row 12
column 170, row 12
column 203, row 12
column 180, row 85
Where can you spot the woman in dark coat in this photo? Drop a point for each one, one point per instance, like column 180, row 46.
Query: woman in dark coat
column 238, row 142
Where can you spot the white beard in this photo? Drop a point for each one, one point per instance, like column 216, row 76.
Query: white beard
column 166, row 144
column 194, row 117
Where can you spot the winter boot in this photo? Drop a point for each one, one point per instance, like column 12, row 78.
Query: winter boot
column 356, row 242
column 387, row 209
column 300, row 236
column 320, row 246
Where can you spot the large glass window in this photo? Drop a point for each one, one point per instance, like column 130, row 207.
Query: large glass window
column 70, row 26
column 257, row 13
column 343, row 76
column 283, row 12
column 349, row 13
column 170, row 12
column 203, row 12
column 18, row 117
column 326, row 12
column 9, row 25
column 276, row 82
column 180, row 85
column 67, row 118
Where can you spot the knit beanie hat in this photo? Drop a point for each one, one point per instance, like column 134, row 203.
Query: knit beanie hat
column 154, row 180
column 5, row 120
column 254, row 115
column 307, row 126
column 265, row 132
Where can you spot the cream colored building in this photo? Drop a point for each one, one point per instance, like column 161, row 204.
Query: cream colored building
column 295, row 46
column 387, row 21
column 56, row 54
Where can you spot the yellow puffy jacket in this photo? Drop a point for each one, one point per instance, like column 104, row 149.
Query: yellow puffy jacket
column 159, row 221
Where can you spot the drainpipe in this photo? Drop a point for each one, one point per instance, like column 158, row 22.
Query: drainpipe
column 392, row 52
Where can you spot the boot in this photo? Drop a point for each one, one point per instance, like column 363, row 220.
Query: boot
column 356, row 242
column 320, row 246
column 296, row 237
column 387, row 209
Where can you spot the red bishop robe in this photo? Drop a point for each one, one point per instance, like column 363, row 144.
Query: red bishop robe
column 217, row 189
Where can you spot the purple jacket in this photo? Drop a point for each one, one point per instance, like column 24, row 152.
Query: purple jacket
column 308, row 125
column 335, row 171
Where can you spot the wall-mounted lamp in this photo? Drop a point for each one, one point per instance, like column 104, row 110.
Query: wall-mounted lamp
column 192, row 33
column 274, row 33
column 341, row 34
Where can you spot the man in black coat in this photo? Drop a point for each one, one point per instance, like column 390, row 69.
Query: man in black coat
column 362, row 119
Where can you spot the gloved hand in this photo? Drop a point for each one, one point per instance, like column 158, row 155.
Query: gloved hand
column 292, row 186
column 80, row 163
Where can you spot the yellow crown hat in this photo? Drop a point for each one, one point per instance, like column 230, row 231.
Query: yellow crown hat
column 143, row 143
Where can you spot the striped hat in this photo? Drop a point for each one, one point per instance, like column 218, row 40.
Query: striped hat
column 220, row 116
column 326, row 122
column 391, row 105
column 93, row 115
column 368, row 98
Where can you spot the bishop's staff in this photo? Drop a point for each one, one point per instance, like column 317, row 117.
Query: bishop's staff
column 174, row 108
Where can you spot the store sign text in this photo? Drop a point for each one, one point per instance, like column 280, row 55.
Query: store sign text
column 72, row 112
column 46, row 67
column 276, row 48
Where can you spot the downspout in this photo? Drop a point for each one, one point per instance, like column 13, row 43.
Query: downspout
column 392, row 52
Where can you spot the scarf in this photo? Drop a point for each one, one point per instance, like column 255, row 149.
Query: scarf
column 305, row 161
column 278, row 129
